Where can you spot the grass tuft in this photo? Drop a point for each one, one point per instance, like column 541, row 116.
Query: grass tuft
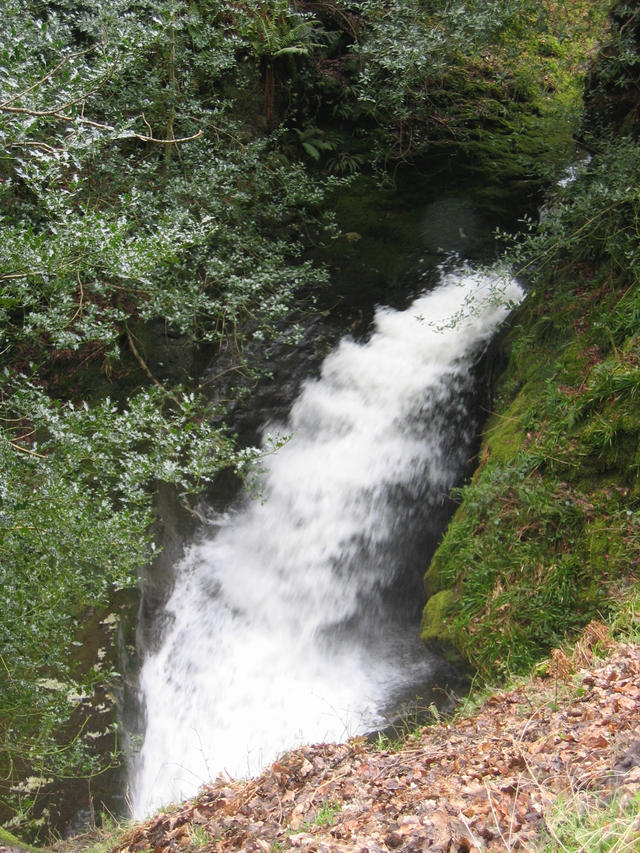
column 588, row 823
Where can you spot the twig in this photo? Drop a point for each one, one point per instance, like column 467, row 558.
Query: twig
column 234, row 368
column 4, row 664
column 144, row 119
column 79, row 309
column 545, row 795
column 463, row 819
column 324, row 784
column 628, row 21
column 143, row 364
column 56, row 112
column 496, row 819
column 92, row 814
column 174, row 140
column 8, row 275
column 39, row 82
column 31, row 143
column 27, row 450
column 513, row 811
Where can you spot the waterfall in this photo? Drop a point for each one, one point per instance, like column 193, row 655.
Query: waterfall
column 281, row 627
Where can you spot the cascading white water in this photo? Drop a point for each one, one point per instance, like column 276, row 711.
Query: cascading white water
column 276, row 630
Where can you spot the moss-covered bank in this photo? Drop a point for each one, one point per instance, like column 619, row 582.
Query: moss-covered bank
column 547, row 535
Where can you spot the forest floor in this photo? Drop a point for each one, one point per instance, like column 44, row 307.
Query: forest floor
column 500, row 777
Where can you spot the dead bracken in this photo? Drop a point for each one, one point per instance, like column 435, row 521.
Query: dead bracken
column 487, row 781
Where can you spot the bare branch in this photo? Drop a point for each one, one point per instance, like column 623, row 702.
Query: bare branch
column 27, row 450
column 149, row 128
column 54, row 113
column 15, row 274
column 165, row 141
column 171, row 139
column 88, row 121
column 31, row 143
column 80, row 301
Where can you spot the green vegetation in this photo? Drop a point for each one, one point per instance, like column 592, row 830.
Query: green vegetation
column 586, row 822
column 164, row 168
column 10, row 840
column 134, row 205
column 326, row 814
column 497, row 82
column 199, row 838
column 547, row 536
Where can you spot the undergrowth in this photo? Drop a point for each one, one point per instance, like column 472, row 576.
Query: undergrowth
column 586, row 823
column 326, row 814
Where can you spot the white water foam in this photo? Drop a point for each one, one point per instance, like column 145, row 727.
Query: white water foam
column 256, row 658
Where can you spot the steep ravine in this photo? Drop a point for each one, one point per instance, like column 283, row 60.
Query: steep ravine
column 547, row 534
column 293, row 618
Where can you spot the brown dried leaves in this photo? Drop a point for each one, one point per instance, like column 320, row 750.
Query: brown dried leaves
column 480, row 783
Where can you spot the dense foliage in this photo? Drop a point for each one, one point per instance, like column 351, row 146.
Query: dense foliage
column 128, row 194
column 611, row 95
column 163, row 169
column 498, row 82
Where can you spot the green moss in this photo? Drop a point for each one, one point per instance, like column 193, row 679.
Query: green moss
column 435, row 612
column 506, row 432
column 434, row 629
column 601, row 544
column 10, row 840
column 547, row 535
column 433, row 579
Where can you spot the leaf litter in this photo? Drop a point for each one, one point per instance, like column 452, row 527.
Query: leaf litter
column 487, row 781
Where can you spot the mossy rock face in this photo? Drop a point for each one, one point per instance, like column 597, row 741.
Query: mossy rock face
column 433, row 581
column 606, row 547
column 599, row 545
column 611, row 438
column 547, row 533
column 435, row 612
column 434, row 631
column 505, row 433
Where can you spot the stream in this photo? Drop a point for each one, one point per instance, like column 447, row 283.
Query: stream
column 293, row 616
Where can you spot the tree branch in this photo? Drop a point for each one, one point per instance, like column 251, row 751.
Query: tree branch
column 173, row 140
column 143, row 364
column 31, row 143
column 27, row 450
column 42, row 80
column 55, row 113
